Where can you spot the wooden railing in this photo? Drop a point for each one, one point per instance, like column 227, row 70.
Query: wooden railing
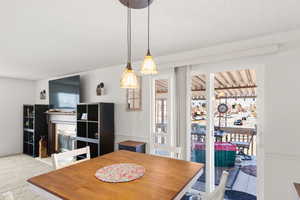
column 244, row 136
column 160, row 138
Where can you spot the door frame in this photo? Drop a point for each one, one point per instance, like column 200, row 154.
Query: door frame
column 260, row 74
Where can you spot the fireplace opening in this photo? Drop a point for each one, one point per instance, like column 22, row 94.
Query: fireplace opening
column 65, row 135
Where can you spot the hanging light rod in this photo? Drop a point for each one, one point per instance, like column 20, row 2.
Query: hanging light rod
column 136, row 4
column 129, row 78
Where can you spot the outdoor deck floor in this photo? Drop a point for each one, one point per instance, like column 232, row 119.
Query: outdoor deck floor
column 238, row 180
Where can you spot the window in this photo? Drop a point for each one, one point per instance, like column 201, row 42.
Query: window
column 161, row 115
column 162, row 133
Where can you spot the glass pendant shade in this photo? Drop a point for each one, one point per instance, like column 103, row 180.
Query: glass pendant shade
column 149, row 66
column 129, row 78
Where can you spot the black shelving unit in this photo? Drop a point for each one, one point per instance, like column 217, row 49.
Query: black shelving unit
column 95, row 127
column 34, row 126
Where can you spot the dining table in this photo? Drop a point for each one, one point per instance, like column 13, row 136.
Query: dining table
column 164, row 179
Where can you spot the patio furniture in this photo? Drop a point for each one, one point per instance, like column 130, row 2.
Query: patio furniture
column 198, row 129
column 218, row 193
column 61, row 160
column 225, row 153
column 244, row 143
column 232, row 177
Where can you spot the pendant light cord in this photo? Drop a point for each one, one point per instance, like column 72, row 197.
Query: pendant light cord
column 129, row 33
column 148, row 25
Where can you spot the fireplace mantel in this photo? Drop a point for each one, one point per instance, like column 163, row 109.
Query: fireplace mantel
column 54, row 118
column 62, row 117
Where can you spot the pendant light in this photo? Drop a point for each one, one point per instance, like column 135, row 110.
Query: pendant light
column 129, row 78
column 149, row 66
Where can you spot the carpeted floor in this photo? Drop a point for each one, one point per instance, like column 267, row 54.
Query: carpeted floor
column 15, row 170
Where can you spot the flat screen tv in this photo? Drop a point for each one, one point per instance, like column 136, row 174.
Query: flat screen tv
column 64, row 93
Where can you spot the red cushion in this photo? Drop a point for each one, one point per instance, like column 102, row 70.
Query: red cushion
column 219, row 146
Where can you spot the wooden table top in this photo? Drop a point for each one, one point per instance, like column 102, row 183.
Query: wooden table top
column 163, row 180
column 131, row 143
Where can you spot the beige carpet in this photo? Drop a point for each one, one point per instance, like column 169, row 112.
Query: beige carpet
column 15, row 170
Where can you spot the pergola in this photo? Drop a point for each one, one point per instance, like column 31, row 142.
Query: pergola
column 229, row 84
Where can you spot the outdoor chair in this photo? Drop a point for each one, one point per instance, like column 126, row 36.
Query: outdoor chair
column 217, row 194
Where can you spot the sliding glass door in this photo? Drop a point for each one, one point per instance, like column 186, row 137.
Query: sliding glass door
column 199, row 109
column 224, row 130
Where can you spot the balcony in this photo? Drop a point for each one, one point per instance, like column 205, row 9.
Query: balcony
column 235, row 152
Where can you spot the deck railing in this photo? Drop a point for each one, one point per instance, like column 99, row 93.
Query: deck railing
column 245, row 138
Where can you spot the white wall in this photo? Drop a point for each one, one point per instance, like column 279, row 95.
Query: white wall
column 282, row 134
column 13, row 94
column 128, row 125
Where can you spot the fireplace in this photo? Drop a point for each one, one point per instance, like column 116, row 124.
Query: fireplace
column 65, row 135
column 61, row 132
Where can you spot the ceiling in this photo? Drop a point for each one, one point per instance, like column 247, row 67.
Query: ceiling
column 41, row 39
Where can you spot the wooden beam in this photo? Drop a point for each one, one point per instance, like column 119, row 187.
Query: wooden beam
column 232, row 97
column 200, row 79
column 161, row 84
column 234, row 81
column 232, row 78
column 249, row 76
column 231, row 88
column 197, row 82
column 239, row 97
column 224, row 78
column 241, row 77
column 220, row 82
column 227, row 82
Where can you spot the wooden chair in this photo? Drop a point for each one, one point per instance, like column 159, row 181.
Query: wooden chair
column 173, row 152
column 61, row 160
column 7, row 196
column 218, row 193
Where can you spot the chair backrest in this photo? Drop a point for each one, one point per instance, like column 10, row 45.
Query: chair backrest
column 219, row 192
column 7, row 196
column 175, row 152
column 297, row 186
column 61, row 160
